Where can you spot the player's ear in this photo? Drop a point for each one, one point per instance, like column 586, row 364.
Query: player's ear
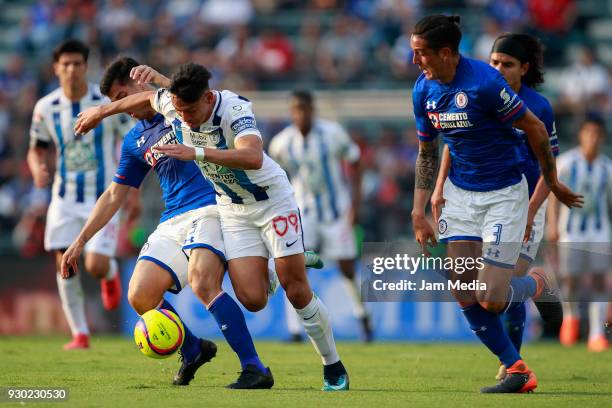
column 524, row 68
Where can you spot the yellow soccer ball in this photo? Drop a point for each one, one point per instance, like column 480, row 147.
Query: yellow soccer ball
column 159, row 333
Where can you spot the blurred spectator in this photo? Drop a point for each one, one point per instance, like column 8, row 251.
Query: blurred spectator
column 226, row 12
column 511, row 15
column 273, row 55
column 484, row 43
column 585, row 84
column 116, row 16
column 14, row 76
column 340, row 54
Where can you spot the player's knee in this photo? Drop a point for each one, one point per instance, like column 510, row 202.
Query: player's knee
column 140, row 300
column 252, row 302
column 298, row 293
column 205, row 286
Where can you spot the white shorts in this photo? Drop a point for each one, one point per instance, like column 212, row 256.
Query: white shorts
column 65, row 221
column 529, row 249
column 171, row 243
column 270, row 228
column 496, row 218
column 334, row 240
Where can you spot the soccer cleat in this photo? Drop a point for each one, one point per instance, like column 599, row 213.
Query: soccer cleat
column 208, row 350
column 295, row 338
column 597, row 344
column 79, row 342
column 570, row 331
column 335, row 377
column 111, row 292
column 518, row 379
column 251, row 378
column 547, row 298
column 368, row 332
column 501, row 373
column 313, row 260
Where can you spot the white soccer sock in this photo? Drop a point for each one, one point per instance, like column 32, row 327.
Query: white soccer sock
column 71, row 295
column 353, row 291
column 315, row 320
column 294, row 323
column 113, row 269
column 597, row 318
column 570, row 309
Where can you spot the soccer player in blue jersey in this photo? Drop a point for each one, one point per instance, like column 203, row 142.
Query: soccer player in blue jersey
column 518, row 57
column 473, row 107
column 186, row 248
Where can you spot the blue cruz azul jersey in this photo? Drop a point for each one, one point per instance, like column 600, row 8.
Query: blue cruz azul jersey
column 474, row 113
column 540, row 107
column 183, row 187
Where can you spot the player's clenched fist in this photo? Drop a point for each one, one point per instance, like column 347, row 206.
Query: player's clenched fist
column 87, row 120
column 144, row 74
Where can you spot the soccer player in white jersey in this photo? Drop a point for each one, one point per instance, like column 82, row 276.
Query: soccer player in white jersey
column 85, row 165
column 259, row 215
column 312, row 151
column 584, row 233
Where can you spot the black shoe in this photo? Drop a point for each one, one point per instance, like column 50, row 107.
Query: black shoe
column 368, row 332
column 549, row 301
column 295, row 338
column 335, row 377
column 513, row 383
column 185, row 374
column 251, row 378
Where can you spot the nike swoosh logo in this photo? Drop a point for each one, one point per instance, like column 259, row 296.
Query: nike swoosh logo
column 289, row 244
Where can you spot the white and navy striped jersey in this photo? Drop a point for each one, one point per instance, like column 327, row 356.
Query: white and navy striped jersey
column 232, row 118
column 590, row 223
column 314, row 165
column 85, row 164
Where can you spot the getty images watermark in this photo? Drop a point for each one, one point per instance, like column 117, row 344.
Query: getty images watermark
column 400, row 272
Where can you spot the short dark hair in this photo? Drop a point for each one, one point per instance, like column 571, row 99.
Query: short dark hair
column 72, row 45
column 531, row 51
column 303, row 96
column 595, row 119
column 118, row 70
column 189, row 82
column 439, row 31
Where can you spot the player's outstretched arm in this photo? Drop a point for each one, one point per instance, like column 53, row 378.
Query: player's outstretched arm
column 107, row 205
column 247, row 155
column 437, row 197
column 91, row 117
column 426, row 167
column 539, row 142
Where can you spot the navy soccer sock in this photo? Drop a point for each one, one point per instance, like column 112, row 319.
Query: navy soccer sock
column 488, row 327
column 230, row 320
column 191, row 345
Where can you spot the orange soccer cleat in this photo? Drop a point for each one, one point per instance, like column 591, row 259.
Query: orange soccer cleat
column 598, row 343
column 570, row 331
column 111, row 292
column 519, row 379
column 79, row 341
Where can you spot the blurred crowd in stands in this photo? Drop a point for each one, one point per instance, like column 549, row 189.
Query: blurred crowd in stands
column 281, row 45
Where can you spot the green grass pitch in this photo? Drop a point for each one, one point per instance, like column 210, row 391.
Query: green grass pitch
column 114, row 374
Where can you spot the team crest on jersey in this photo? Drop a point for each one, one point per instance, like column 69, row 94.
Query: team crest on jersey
column 461, row 100
column 442, row 226
column 281, row 224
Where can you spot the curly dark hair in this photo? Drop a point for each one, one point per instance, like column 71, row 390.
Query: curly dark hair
column 189, row 82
